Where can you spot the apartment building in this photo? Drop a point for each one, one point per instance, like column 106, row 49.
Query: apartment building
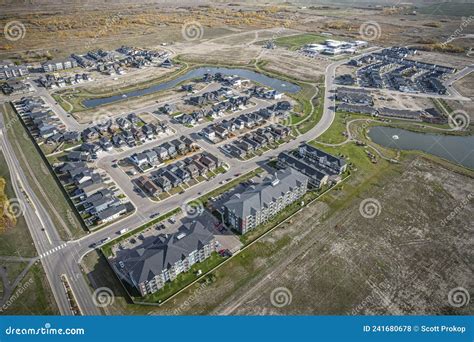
column 52, row 66
column 159, row 259
column 258, row 203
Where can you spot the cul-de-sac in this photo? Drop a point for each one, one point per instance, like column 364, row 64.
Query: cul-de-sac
column 236, row 158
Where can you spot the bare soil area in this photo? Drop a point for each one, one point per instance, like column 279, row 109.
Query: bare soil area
column 455, row 61
column 401, row 101
column 403, row 261
column 297, row 66
column 465, row 85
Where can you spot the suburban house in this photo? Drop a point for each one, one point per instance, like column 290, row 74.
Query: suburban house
column 110, row 214
column 148, row 186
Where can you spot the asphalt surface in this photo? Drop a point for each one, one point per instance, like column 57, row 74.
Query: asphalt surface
column 59, row 257
column 50, row 248
column 66, row 256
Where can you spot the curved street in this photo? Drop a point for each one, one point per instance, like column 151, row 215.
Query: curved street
column 62, row 258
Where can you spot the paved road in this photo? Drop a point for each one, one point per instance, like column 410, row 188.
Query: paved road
column 51, row 249
column 65, row 260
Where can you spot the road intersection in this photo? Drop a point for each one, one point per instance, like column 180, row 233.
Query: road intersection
column 65, row 260
column 62, row 258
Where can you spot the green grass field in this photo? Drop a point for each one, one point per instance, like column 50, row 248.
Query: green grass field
column 35, row 297
column 17, row 240
column 297, row 41
column 41, row 179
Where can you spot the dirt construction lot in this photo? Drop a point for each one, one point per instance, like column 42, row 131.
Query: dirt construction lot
column 329, row 259
column 403, row 261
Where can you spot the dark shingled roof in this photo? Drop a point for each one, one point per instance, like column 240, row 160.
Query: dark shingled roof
column 254, row 198
column 156, row 254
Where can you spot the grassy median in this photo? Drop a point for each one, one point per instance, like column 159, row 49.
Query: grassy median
column 41, row 179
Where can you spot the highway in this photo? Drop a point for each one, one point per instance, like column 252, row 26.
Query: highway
column 76, row 249
column 50, row 248
column 67, row 255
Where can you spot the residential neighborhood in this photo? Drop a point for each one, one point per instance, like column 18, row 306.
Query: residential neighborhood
column 179, row 161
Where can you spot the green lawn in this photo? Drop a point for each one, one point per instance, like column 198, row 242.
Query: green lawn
column 41, row 179
column 34, row 296
column 17, row 240
column 334, row 134
column 448, row 9
column 318, row 104
column 299, row 40
column 163, row 195
column 183, row 280
column 176, row 190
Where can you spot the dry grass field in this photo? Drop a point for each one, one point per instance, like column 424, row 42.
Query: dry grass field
column 51, row 31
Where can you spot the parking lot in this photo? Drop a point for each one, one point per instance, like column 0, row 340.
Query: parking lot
column 226, row 238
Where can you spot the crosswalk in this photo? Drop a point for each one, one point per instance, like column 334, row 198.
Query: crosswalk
column 53, row 250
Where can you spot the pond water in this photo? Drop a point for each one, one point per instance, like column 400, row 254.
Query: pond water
column 277, row 84
column 458, row 149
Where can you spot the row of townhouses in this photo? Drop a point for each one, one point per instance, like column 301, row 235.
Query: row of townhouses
column 41, row 121
column 163, row 152
column 257, row 139
column 320, row 167
column 391, row 69
column 222, row 130
column 123, row 131
column 183, row 171
column 359, row 101
column 91, row 192
column 52, row 81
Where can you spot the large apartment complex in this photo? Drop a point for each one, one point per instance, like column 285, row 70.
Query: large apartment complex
column 258, row 203
column 159, row 259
